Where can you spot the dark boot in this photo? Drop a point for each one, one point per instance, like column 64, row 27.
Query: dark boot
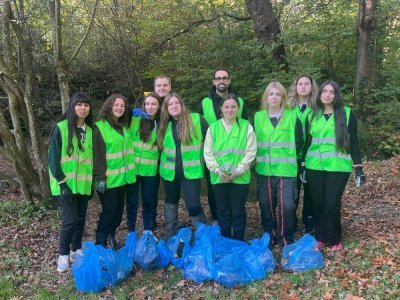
column 171, row 220
column 238, row 234
column 112, row 242
column 101, row 239
column 199, row 218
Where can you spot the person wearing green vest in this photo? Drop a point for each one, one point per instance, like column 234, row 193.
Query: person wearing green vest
column 114, row 171
column 279, row 140
column 71, row 170
column 143, row 130
column 229, row 149
column 210, row 108
column 331, row 148
column 180, row 140
column 302, row 95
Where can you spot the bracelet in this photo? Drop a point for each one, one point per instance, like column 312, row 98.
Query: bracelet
column 359, row 165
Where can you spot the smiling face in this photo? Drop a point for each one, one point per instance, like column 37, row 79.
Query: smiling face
column 118, row 108
column 151, row 106
column 162, row 86
column 221, row 81
column 82, row 110
column 274, row 98
column 303, row 87
column 328, row 95
column 230, row 109
column 174, row 107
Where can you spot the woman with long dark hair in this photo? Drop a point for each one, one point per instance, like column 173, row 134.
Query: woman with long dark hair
column 71, row 170
column 144, row 135
column 180, row 139
column 331, row 148
column 114, row 165
column 301, row 96
column 229, row 149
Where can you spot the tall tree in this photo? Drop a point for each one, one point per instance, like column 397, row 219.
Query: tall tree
column 267, row 28
column 366, row 49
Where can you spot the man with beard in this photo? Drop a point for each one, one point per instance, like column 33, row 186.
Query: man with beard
column 210, row 108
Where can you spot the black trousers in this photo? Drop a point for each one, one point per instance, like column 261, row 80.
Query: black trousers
column 278, row 192
column 231, row 204
column 191, row 193
column 210, row 196
column 112, row 209
column 326, row 193
column 308, row 210
column 146, row 184
column 73, row 223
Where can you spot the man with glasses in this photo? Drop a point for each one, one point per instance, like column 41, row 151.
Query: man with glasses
column 210, row 108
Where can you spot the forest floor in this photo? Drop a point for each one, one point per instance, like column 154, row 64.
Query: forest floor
column 368, row 268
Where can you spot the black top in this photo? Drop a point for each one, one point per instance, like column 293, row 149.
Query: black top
column 353, row 138
column 178, row 153
column 216, row 99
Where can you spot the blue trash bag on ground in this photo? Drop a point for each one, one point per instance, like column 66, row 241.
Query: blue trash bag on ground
column 259, row 247
column 165, row 254
column 100, row 267
column 224, row 246
column 179, row 246
column 238, row 268
column 199, row 263
column 212, row 231
column 130, row 245
column 302, row 255
column 146, row 254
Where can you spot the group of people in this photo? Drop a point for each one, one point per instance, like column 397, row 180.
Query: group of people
column 308, row 138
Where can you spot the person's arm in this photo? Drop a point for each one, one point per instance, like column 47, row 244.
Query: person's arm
column 244, row 112
column 208, row 153
column 299, row 138
column 308, row 140
column 200, row 108
column 353, row 139
column 54, row 157
column 250, row 151
column 204, row 126
column 99, row 155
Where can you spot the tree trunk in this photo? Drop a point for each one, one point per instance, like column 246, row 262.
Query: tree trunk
column 366, row 50
column 267, row 28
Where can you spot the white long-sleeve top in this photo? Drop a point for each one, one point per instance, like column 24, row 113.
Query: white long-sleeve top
column 250, row 151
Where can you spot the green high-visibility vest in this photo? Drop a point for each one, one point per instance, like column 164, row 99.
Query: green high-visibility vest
column 302, row 116
column 323, row 154
column 192, row 154
column 146, row 153
column 229, row 149
column 77, row 168
column 276, row 146
column 119, row 155
column 209, row 113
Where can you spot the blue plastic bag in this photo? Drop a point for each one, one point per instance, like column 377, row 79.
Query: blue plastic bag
column 302, row 255
column 238, row 268
column 213, row 231
column 179, row 246
column 259, row 247
column 225, row 246
column 146, row 254
column 199, row 262
column 130, row 245
column 164, row 253
column 100, row 267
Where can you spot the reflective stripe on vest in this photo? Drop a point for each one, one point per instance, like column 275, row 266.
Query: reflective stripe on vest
column 209, row 113
column 229, row 149
column 191, row 154
column 119, row 155
column 77, row 168
column 276, row 146
column 322, row 154
column 146, row 154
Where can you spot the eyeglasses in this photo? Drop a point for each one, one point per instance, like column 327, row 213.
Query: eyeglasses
column 221, row 79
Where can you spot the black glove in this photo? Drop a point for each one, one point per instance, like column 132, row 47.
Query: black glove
column 302, row 173
column 359, row 176
column 66, row 193
column 100, row 186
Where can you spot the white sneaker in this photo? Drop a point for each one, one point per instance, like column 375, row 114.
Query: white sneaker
column 63, row 263
column 75, row 255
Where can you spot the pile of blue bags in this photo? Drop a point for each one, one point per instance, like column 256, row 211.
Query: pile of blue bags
column 204, row 255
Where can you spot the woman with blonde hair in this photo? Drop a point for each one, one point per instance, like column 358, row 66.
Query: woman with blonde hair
column 302, row 96
column 180, row 140
column 279, row 140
